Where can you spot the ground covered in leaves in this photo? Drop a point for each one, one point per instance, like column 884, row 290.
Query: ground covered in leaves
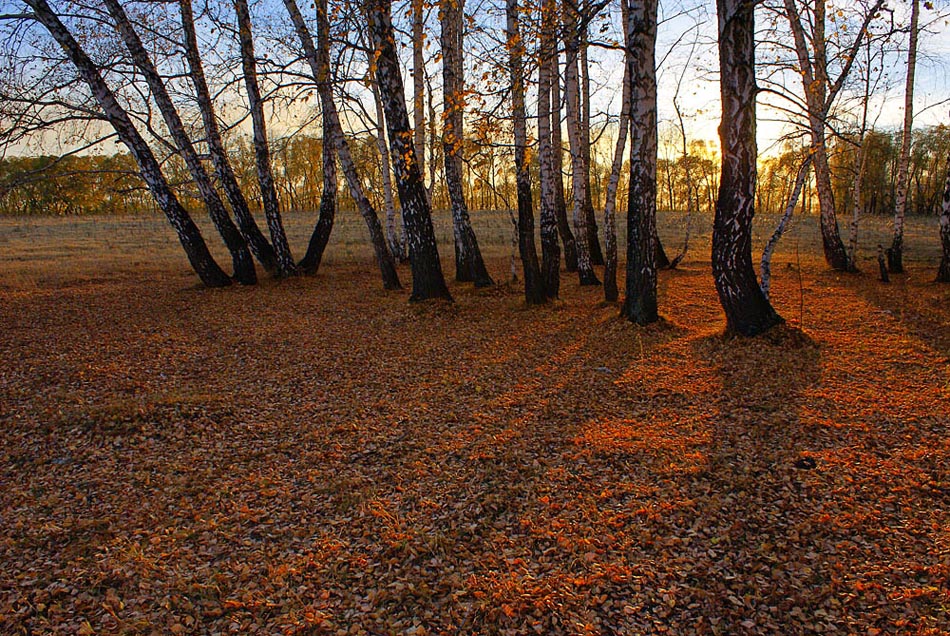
column 320, row 456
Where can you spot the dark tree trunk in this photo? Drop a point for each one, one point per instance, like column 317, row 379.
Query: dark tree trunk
column 241, row 257
column 427, row 278
column 596, row 255
column 550, row 251
column 747, row 310
column 256, row 240
column 188, row 234
column 557, row 146
column 265, row 175
column 943, row 273
column 640, row 304
column 469, row 265
column 310, row 263
column 662, row 260
column 533, row 283
column 318, row 58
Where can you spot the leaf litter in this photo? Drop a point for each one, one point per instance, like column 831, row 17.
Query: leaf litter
column 317, row 456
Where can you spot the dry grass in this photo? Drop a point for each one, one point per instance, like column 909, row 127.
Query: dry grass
column 319, row 456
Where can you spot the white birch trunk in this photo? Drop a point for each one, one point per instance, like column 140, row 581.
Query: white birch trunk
column 895, row 256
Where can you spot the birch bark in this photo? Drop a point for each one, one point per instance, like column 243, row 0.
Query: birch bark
column 469, row 265
column 747, row 310
column 223, row 171
column 265, row 174
column 895, row 255
column 640, row 303
column 188, row 234
column 427, row 278
column 240, row 255
column 533, row 283
column 585, row 269
column 547, row 174
column 318, row 58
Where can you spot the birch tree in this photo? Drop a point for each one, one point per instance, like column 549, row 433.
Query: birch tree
column 265, row 174
column 223, row 170
column 469, row 266
column 318, row 59
column 534, row 293
column 547, row 172
column 427, row 278
column 576, row 138
column 243, row 264
column 640, row 303
column 596, row 255
column 610, row 230
column 188, row 234
column 747, row 310
column 557, row 147
column 943, row 273
column 811, row 44
column 895, row 255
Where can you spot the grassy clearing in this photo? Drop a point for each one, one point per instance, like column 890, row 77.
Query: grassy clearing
column 318, row 456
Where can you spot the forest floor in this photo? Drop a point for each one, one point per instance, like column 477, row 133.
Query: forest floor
column 319, row 456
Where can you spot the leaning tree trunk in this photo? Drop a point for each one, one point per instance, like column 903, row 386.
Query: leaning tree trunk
column 747, row 310
column 765, row 266
column 576, row 137
column 427, row 279
column 265, row 175
column 240, row 255
column 550, row 251
column 320, row 237
column 188, row 234
column 895, row 255
column 318, row 58
column 533, row 283
column 640, row 304
column 610, row 229
column 469, row 265
column 256, row 240
column 943, row 274
column 818, row 99
column 557, row 147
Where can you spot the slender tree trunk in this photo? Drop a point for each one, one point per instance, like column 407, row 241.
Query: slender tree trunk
column 747, row 310
column 576, row 137
column 427, row 279
column 596, row 255
column 188, row 234
column 557, row 146
column 766, row 263
column 318, row 58
column 256, row 240
column 610, row 230
column 469, row 265
column 418, row 83
column 392, row 233
column 265, row 175
column 533, row 282
column 943, row 273
column 550, row 251
column 640, row 304
column 241, row 257
column 819, row 96
column 895, row 255
column 310, row 263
